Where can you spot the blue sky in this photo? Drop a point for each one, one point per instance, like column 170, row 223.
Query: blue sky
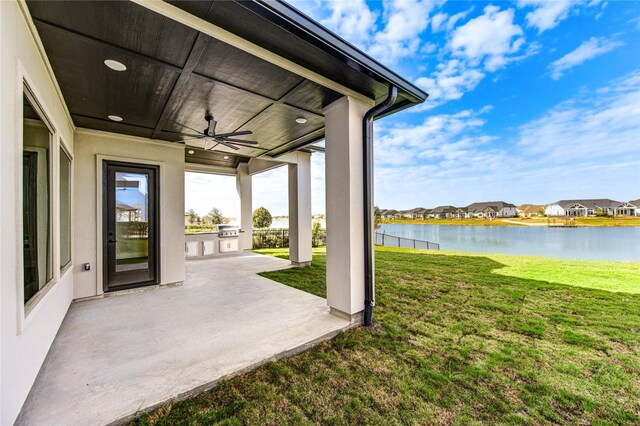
column 530, row 101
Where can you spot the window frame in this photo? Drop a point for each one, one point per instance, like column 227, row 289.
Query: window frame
column 64, row 151
column 30, row 304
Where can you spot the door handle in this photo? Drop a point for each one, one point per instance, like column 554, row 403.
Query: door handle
column 112, row 241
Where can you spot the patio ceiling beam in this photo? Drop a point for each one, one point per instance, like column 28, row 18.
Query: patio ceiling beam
column 190, row 64
column 185, row 18
column 279, row 101
column 185, row 71
column 295, row 144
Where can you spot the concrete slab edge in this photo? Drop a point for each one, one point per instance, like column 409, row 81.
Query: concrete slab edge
column 212, row 384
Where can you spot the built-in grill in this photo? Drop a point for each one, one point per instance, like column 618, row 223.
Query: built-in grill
column 227, row 231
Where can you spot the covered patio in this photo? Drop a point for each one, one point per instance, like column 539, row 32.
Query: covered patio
column 117, row 356
column 124, row 97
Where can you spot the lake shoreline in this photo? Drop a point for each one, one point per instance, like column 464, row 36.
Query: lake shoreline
column 515, row 221
column 614, row 243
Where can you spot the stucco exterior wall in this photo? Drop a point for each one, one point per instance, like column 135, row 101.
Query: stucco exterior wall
column 91, row 147
column 25, row 339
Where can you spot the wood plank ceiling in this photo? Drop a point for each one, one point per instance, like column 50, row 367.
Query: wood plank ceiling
column 174, row 75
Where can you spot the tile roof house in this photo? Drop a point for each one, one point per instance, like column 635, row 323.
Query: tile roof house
column 389, row 213
column 415, row 213
column 582, row 207
column 529, row 210
column 443, row 212
column 628, row 208
column 491, row 209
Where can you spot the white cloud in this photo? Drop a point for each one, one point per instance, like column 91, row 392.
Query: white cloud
column 389, row 36
column 449, row 82
column 482, row 45
column 590, row 126
column 442, row 21
column 444, row 137
column 405, row 20
column 590, row 49
column 352, row 19
column 492, row 37
column 585, row 147
column 546, row 14
column 437, row 20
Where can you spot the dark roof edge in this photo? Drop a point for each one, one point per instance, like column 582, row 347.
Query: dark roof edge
column 290, row 18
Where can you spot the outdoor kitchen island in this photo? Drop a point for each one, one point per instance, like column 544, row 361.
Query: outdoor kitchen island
column 224, row 240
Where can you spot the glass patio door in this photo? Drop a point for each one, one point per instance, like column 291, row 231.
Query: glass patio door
column 130, row 240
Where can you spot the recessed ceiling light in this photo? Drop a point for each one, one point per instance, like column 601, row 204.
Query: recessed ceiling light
column 226, row 157
column 114, row 118
column 115, row 65
column 301, row 120
column 191, row 151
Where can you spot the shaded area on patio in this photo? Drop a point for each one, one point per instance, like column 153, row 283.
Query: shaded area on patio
column 119, row 355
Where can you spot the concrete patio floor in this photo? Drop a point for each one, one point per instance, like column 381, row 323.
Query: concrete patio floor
column 116, row 356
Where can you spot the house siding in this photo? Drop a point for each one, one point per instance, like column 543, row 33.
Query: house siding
column 25, row 339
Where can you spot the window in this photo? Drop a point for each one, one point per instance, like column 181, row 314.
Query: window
column 36, row 198
column 65, row 209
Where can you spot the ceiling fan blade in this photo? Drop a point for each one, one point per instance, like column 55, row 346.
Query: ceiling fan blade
column 186, row 127
column 244, row 132
column 244, row 141
column 200, row 135
column 228, row 145
column 211, row 131
column 192, row 139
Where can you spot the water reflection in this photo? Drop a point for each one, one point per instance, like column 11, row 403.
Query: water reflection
column 610, row 243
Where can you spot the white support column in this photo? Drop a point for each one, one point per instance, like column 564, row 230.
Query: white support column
column 243, row 186
column 300, row 210
column 345, row 198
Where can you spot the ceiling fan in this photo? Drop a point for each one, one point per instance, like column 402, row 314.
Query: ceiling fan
column 225, row 139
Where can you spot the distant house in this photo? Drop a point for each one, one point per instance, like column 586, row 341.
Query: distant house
column 529, row 210
column 461, row 213
column 416, row 213
column 443, row 212
column 629, row 208
column 582, row 207
column 389, row 214
column 491, row 209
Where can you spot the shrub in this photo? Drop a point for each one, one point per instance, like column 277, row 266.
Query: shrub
column 262, row 218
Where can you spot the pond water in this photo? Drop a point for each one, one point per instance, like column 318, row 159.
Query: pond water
column 608, row 243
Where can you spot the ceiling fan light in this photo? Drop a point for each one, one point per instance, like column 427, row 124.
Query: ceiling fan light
column 301, row 120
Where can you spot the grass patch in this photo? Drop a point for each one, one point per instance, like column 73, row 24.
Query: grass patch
column 455, row 342
column 595, row 274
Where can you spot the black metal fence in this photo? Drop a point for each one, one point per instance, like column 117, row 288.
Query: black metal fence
column 279, row 238
column 393, row 241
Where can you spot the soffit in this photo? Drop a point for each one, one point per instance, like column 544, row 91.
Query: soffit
column 174, row 74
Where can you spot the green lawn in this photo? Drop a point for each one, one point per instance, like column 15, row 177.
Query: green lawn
column 458, row 339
